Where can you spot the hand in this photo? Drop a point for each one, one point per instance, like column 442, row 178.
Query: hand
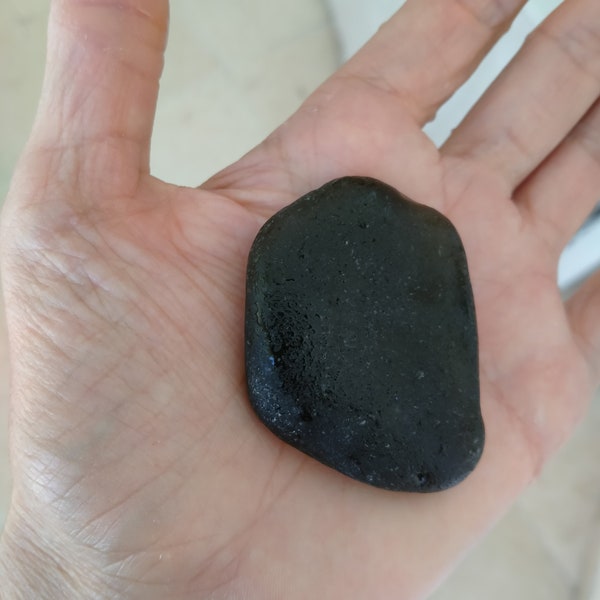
column 139, row 469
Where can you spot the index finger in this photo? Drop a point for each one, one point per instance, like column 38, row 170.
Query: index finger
column 428, row 49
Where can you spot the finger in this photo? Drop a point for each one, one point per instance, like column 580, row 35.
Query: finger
column 584, row 313
column 428, row 49
column 101, row 84
column 562, row 192
column 539, row 97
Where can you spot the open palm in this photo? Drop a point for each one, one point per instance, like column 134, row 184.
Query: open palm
column 140, row 470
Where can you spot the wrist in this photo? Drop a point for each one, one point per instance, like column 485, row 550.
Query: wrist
column 34, row 567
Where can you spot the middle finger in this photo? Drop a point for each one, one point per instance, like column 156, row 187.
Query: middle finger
column 539, row 98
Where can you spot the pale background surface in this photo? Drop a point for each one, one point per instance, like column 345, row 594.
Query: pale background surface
column 234, row 71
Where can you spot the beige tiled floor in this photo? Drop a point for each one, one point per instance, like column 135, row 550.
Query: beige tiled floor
column 234, row 71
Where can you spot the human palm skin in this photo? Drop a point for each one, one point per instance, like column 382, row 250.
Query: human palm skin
column 139, row 469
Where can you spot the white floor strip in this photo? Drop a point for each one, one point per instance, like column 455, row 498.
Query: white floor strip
column 581, row 256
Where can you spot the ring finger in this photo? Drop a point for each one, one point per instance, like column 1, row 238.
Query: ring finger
column 562, row 192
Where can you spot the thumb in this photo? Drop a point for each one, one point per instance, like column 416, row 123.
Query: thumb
column 100, row 89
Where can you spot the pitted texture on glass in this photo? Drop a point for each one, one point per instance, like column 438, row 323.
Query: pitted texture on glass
column 361, row 340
